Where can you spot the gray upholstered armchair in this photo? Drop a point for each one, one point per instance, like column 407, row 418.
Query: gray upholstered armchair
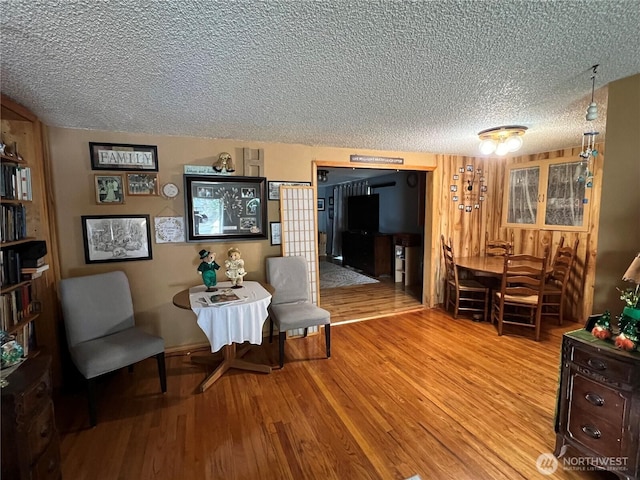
column 101, row 333
column 291, row 307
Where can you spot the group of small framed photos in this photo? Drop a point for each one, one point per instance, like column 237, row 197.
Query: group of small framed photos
column 140, row 179
column 111, row 187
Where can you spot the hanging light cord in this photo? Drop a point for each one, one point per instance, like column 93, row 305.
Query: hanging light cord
column 593, row 79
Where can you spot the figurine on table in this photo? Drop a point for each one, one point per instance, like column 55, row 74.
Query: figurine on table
column 207, row 269
column 235, row 267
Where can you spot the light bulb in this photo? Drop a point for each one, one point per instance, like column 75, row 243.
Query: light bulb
column 487, row 146
column 514, row 143
column 502, row 149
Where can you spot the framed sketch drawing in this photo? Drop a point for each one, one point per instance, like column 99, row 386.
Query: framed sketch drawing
column 225, row 208
column 123, row 156
column 142, row 184
column 274, row 188
column 116, row 238
column 109, row 189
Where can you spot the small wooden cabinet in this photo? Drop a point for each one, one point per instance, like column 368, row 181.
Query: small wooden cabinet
column 407, row 258
column 369, row 252
column 30, row 443
column 598, row 411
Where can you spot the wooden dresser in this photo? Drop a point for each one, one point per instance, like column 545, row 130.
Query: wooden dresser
column 30, row 443
column 369, row 252
column 598, row 411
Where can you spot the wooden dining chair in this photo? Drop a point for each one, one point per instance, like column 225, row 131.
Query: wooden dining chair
column 555, row 288
column 462, row 294
column 519, row 300
column 497, row 247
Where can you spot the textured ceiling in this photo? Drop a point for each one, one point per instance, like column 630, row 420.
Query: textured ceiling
column 393, row 75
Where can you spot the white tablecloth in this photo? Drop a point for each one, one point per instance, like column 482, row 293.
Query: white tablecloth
column 233, row 322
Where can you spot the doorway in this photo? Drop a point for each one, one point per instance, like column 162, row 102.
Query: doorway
column 397, row 285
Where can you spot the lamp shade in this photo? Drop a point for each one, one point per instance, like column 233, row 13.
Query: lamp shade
column 633, row 272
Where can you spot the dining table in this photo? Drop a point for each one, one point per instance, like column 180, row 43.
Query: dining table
column 228, row 324
column 491, row 264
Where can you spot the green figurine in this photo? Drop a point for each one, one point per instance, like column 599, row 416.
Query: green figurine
column 207, row 269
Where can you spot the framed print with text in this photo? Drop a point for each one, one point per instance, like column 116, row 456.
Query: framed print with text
column 123, row 156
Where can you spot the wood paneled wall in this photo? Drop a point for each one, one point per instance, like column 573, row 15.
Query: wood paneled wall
column 467, row 229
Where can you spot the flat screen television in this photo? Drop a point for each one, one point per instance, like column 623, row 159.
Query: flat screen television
column 363, row 213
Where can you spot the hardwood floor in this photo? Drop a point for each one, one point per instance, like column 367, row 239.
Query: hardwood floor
column 415, row 393
column 371, row 300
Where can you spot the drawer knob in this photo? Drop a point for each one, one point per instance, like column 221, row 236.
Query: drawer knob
column 594, row 399
column 592, row 431
column 597, row 364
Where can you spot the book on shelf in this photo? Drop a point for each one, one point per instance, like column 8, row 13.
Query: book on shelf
column 32, row 270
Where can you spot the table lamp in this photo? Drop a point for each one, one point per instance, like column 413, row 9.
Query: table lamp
column 629, row 337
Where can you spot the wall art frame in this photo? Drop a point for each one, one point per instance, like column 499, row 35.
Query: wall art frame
column 274, row 188
column 321, row 204
column 143, row 184
column 109, row 189
column 123, row 156
column 275, row 233
column 225, row 208
column 116, row 238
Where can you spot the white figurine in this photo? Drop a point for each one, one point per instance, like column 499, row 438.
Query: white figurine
column 235, row 267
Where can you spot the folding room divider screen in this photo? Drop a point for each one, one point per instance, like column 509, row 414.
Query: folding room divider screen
column 299, row 233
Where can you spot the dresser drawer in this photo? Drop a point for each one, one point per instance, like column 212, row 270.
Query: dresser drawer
column 40, row 431
column 597, row 401
column 38, row 392
column 611, row 368
column 594, row 433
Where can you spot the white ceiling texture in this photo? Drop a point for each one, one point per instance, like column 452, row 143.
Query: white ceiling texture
column 421, row 76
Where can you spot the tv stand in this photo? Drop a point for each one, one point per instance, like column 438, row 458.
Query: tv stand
column 367, row 251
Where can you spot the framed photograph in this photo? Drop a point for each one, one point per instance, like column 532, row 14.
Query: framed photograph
column 330, row 213
column 116, row 238
column 274, row 230
column 321, row 204
column 225, row 207
column 330, row 200
column 109, row 189
column 274, row 188
column 123, row 156
column 142, row 184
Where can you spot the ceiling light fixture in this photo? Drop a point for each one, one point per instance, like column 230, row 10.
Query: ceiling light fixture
column 501, row 140
column 323, row 176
